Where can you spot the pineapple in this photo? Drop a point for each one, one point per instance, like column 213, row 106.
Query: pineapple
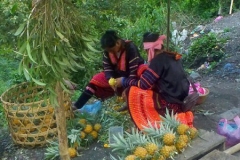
column 82, row 121
column 112, row 81
column 130, row 157
column 16, row 122
column 43, row 129
column 166, row 151
column 140, row 152
column 180, row 145
column 151, row 148
column 171, row 121
column 169, row 138
column 82, row 135
column 51, row 110
column 72, row 152
column 94, row 134
column 97, row 127
column 88, row 128
column 182, row 129
column 192, row 132
column 184, row 138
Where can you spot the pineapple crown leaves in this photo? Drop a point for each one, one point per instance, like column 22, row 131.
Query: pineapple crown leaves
column 155, row 130
column 52, row 151
column 136, row 137
column 121, row 144
column 74, row 135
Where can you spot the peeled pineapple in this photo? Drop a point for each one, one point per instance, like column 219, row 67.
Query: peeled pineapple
column 112, row 81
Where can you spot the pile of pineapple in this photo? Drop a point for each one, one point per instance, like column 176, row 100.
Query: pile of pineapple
column 82, row 131
column 158, row 141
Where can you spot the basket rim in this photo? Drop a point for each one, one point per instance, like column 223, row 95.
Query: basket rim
column 14, row 86
column 207, row 92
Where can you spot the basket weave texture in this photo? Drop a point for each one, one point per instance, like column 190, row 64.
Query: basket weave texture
column 30, row 116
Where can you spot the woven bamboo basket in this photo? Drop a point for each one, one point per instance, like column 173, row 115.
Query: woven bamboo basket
column 30, row 116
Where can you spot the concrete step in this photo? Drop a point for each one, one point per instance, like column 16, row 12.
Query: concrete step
column 218, row 155
column 205, row 143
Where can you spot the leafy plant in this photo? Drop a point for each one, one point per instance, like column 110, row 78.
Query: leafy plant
column 208, row 48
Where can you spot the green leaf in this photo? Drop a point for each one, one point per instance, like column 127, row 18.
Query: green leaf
column 45, row 58
column 20, row 29
column 29, row 52
column 90, row 47
column 26, row 74
column 38, row 82
column 62, row 36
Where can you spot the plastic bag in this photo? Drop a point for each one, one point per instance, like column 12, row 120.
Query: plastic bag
column 230, row 129
column 91, row 108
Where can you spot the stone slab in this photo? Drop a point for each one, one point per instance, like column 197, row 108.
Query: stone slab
column 230, row 114
column 218, row 155
column 205, row 143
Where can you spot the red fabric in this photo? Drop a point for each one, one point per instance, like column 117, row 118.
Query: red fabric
column 120, row 62
column 141, row 107
column 146, row 105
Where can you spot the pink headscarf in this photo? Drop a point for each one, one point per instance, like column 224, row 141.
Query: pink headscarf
column 153, row 45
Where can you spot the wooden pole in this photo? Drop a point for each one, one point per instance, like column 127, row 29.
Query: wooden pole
column 61, row 125
column 168, row 24
column 230, row 11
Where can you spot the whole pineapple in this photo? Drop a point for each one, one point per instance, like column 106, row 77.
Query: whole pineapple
column 182, row 129
column 184, row 138
column 88, row 128
column 166, row 151
column 151, row 148
column 192, row 132
column 130, row 157
column 169, row 138
column 180, row 145
column 140, row 152
column 72, row 152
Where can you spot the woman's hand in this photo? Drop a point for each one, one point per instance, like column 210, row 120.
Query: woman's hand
column 119, row 82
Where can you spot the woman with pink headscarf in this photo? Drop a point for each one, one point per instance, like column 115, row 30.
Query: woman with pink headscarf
column 160, row 84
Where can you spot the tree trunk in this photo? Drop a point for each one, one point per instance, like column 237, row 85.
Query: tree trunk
column 61, row 125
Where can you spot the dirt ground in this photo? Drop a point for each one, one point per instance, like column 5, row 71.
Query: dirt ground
column 223, row 83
